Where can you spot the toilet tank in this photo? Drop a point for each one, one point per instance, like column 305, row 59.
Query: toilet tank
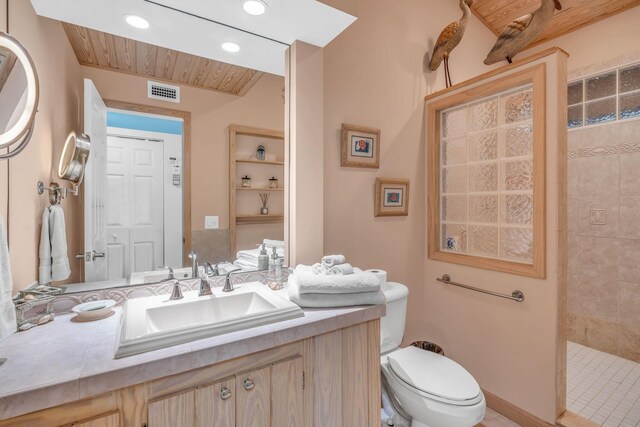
column 392, row 325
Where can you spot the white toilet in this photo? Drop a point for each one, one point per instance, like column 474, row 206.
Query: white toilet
column 434, row 390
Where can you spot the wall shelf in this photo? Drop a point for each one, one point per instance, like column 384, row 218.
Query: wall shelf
column 259, row 189
column 261, row 175
column 259, row 219
column 259, row 162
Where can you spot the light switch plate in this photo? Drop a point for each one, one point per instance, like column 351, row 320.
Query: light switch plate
column 598, row 217
column 211, row 222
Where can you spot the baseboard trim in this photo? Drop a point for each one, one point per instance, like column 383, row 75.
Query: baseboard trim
column 512, row 412
column 570, row 419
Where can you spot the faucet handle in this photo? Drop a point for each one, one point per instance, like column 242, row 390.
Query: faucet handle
column 166, row 267
column 176, row 293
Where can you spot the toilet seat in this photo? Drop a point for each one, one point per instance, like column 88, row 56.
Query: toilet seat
column 434, row 377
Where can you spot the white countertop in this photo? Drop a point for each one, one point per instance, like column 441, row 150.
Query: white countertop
column 64, row 361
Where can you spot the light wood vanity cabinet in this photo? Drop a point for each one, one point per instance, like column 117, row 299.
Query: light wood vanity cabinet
column 256, row 398
column 332, row 379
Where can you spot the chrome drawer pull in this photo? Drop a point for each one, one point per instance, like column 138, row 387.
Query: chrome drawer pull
column 225, row 393
column 248, row 384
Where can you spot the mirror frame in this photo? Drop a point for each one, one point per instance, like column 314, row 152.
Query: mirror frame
column 22, row 130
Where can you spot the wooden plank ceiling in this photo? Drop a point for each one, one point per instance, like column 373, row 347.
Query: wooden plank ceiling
column 97, row 49
column 497, row 14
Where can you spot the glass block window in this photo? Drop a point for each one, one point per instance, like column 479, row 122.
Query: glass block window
column 486, row 183
column 606, row 97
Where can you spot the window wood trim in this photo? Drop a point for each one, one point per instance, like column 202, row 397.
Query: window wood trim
column 536, row 76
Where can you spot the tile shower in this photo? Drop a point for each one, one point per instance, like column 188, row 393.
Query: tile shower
column 604, row 212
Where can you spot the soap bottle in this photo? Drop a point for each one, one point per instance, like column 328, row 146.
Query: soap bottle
column 263, row 258
column 274, row 280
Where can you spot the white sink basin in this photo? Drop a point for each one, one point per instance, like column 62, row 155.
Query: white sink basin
column 147, row 277
column 155, row 322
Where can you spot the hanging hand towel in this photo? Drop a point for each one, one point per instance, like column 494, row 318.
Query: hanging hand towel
column 54, row 259
column 331, row 260
column 8, row 323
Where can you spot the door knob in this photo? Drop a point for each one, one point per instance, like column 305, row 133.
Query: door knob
column 248, row 384
column 225, row 393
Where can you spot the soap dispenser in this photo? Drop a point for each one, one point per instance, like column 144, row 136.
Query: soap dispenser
column 274, row 280
column 263, row 258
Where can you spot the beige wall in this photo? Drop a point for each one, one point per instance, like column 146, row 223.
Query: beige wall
column 211, row 115
column 374, row 75
column 59, row 112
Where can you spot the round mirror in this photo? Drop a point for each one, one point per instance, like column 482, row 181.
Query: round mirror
column 18, row 96
column 74, row 157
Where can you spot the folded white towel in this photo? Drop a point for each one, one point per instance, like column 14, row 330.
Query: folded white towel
column 332, row 300
column 341, row 269
column 318, row 268
column 251, row 255
column 54, row 259
column 311, row 283
column 7, row 310
column 331, row 260
column 272, row 243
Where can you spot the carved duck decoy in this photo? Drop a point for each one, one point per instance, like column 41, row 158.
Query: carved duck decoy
column 521, row 32
column 449, row 38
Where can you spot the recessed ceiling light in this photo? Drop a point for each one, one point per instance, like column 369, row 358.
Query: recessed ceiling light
column 230, row 47
column 137, row 21
column 254, row 7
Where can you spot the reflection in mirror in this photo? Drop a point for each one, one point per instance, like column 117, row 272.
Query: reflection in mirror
column 164, row 194
column 18, row 96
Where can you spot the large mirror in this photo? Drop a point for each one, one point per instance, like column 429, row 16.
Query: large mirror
column 18, row 96
column 186, row 171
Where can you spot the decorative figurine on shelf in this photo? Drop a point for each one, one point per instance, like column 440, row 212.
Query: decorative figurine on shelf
column 273, row 182
column 246, row 181
column 521, row 32
column 448, row 40
column 265, row 198
column 261, row 152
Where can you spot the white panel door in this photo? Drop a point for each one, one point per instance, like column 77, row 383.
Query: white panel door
column 95, row 210
column 147, row 206
column 118, row 218
column 135, row 215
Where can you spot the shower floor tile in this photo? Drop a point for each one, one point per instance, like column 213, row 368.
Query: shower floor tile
column 602, row 387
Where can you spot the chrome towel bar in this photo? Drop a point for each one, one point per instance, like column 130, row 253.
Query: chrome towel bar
column 515, row 295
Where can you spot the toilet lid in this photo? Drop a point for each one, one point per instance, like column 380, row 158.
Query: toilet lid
column 434, row 374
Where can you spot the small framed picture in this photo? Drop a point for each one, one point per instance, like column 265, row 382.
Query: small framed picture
column 392, row 197
column 360, row 147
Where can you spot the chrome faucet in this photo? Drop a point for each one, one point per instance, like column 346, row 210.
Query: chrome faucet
column 205, row 287
column 228, row 287
column 194, row 264
column 176, row 293
column 210, row 270
column 171, row 276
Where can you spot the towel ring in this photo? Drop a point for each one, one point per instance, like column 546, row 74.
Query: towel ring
column 55, row 192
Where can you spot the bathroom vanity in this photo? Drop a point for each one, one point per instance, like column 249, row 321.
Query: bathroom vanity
column 317, row 370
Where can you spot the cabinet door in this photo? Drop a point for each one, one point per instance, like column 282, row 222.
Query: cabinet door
column 287, row 397
column 106, row 420
column 215, row 404
column 253, row 399
column 173, row 411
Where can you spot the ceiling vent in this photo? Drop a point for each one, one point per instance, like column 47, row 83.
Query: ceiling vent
column 163, row 92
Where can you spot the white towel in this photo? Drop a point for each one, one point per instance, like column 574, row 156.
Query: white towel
column 251, row 256
column 272, row 243
column 331, row 260
column 332, row 300
column 54, row 259
column 311, row 283
column 341, row 269
column 345, row 268
column 8, row 323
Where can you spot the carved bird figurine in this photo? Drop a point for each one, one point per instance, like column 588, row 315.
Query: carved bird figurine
column 449, row 38
column 521, row 32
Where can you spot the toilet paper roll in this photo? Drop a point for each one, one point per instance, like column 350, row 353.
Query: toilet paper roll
column 380, row 274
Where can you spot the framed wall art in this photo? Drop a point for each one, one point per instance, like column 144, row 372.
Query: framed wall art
column 360, row 147
column 392, row 197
